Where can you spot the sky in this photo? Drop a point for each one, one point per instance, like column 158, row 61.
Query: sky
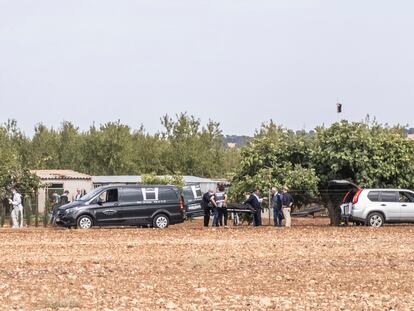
column 237, row 62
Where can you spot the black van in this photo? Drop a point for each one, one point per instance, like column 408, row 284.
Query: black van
column 192, row 200
column 125, row 205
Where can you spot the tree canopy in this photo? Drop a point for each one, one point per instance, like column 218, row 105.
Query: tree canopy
column 366, row 153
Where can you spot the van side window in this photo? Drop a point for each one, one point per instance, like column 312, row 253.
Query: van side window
column 131, row 195
column 110, row 195
column 167, row 194
column 374, row 196
column 150, row 194
column 388, row 196
column 405, row 197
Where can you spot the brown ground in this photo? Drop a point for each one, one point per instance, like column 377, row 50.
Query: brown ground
column 311, row 266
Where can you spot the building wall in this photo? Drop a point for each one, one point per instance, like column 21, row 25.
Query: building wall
column 68, row 184
column 208, row 185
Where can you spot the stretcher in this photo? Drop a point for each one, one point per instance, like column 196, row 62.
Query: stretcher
column 238, row 210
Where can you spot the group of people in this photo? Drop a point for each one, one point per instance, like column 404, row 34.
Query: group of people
column 215, row 202
column 64, row 198
column 16, row 205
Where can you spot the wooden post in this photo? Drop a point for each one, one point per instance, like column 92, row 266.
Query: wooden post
column 28, row 207
column 46, row 209
column 37, row 214
column 270, row 204
column 3, row 213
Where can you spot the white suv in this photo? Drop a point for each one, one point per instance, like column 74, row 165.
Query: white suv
column 374, row 207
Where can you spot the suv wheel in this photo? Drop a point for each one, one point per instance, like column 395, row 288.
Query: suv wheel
column 161, row 221
column 375, row 220
column 84, row 222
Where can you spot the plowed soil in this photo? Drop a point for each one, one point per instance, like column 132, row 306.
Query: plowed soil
column 309, row 267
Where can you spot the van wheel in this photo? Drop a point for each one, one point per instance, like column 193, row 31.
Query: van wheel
column 84, row 222
column 161, row 221
column 375, row 220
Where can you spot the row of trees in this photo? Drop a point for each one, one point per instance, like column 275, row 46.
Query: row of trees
column 366, row 153
column 183, row 146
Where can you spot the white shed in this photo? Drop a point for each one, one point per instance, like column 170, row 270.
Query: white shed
column 59, row 181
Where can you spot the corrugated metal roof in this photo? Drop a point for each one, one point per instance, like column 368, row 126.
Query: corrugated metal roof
column 129, row 179
column 117, row 179
column 60, row 174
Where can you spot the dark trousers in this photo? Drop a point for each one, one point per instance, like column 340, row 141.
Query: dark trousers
column 207, row 210
column 277, row 216
column 216, row 216
column 223, row 214
column 258, row 217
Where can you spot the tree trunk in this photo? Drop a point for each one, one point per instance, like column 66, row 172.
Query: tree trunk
column 334, row 213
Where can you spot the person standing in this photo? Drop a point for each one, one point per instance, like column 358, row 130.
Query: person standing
column 287, row 202
column 256, row 202
column 277, row 207
column 17, row 209
column 220, row 198
column 78, row 195
column 206, row 203
column 64, row 198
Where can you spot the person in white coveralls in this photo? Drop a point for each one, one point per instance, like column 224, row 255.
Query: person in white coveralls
column 17, row 209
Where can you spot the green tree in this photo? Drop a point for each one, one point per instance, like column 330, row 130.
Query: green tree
column 276, row 157
column 152, row 179
column 191, row 148
column 44, row 148
column 12, row 172
column 367, row 154
column 107, row 150
column 69, row 151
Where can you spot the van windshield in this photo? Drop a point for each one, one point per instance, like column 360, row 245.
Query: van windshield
column 90, row 195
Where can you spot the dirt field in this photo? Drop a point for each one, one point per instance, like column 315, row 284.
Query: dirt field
column 308, row 267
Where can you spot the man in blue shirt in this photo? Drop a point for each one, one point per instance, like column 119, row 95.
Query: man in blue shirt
column 277, row 207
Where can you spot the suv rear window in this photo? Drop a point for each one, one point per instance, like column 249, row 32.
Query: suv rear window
column 389, row 196
column 374, row 196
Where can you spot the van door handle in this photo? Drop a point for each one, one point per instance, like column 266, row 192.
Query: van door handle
column 383, row 204
column 404, row 205
column 109, row 212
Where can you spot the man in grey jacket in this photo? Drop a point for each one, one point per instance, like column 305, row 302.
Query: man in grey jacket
column 17, row 209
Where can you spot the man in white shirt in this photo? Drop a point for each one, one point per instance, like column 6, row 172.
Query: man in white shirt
column 17, row 209
column 78, row 195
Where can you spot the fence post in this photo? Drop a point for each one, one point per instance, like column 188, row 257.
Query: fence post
column 45, row 213
column 3, row 213
column 37, row 216
column 28, row 209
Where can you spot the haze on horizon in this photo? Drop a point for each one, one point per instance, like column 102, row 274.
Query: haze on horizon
column 236, row 62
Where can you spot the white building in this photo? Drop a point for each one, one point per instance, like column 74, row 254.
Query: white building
column 59, row 181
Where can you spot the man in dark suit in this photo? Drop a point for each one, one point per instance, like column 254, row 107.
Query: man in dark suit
column 207, row 203
column 256, row 202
